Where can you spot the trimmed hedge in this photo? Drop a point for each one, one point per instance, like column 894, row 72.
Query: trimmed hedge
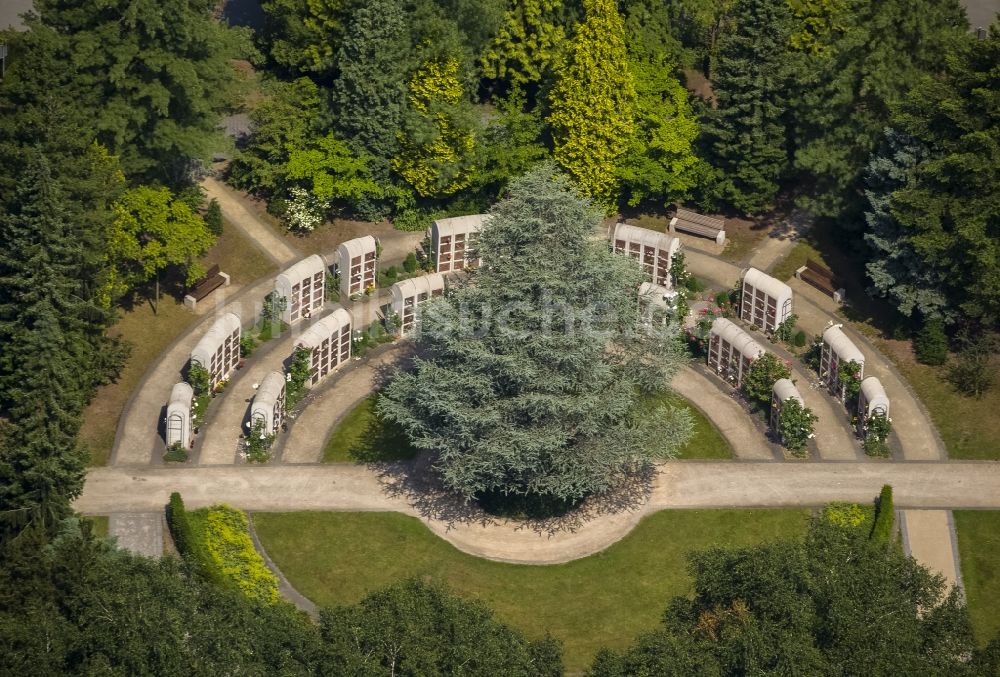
column 188, row 544
column 885, row 516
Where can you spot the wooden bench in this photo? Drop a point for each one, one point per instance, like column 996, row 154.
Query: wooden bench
column 698, row 224
column 214, row 279
column 822, row 278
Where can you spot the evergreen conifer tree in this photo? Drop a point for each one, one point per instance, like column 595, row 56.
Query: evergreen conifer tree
column 593, row 103
column 368, row 98
column 747, row 131
column 50, row 361
column 533, row 371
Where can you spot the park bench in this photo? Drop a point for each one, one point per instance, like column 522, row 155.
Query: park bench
column 822, row 278
column 698, row 224
column 214, row 279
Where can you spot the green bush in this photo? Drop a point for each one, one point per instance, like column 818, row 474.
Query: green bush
column 844, row 514
column 931, row 343
column 877, row 429
column 694, row 285
column 176, row 453
column 799, row 340
column 722, row 298
column 247, row 345
column 763, row 373
column 224, row 534
column 198, row 377
column 188, row 544
column 213, row 217
column 410, row 263
column 783, row 332
column 885, row 516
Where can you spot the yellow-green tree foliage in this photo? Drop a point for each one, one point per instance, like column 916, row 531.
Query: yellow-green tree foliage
column 819, row 23
column 527, row 44
column 437, row 142
column 153, row 230
column 593, row 103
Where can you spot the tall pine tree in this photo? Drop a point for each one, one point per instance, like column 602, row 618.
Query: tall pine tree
column 368, row 98
column 950, row 208
column 747, row 131
column 51, row 361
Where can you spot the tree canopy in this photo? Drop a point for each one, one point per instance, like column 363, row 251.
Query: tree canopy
column 835, row 603
column 533, row 371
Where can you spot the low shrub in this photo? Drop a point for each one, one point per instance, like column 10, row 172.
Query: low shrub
column 844, row 514
column 694, row 285
column 224, row 535
column 931, row 343
column 885, row 516
column 784, row 331
column 176, row 453
column 800, row 339
column 410, row 263
column 722, row 298
column 247, row 345
column 764, row 372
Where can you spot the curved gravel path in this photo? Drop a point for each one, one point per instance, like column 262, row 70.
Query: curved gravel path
column 679, row 484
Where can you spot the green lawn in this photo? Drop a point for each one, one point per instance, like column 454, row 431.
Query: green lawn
column 707, row 441
column 603, row 600
column 969, row 427
column 978, row 534
column 362, row 436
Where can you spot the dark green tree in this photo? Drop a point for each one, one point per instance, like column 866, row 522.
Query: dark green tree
column 283, row 121
column 415, row 628
column 150, row 78
column 931, row 343
column 747, row 131
column 512, row 143
column 76, row 605
column 896, row 269
column 948, row 210
column 858, row 60
column 835, row 603
column 533, row 372
column 53, row 340
column 213, row 217
column 368, row 99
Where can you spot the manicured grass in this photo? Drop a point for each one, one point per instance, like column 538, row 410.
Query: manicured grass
column 978, row 534
column 969, row 427
column 150, row 333
column 706, row 441
column 603, row 600
column 362, row 436
column 99, row 523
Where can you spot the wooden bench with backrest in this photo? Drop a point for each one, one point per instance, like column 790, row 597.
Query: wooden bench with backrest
column 822, row 278
column 213, row 279
column 698, row 224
